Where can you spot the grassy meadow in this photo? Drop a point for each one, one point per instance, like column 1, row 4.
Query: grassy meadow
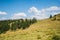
column 45, row 29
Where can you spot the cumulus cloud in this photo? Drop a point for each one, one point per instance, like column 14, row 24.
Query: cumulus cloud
column 34, row 10
column 37, row 13
column 18, row 15
column 2, row 13
column 45, row 12
column 15, row 16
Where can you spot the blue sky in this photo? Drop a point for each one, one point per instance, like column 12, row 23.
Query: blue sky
column 40, row 9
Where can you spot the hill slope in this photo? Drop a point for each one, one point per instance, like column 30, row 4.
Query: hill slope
column 42, row 30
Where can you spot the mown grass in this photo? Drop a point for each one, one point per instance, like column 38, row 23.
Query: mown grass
column 42, row 30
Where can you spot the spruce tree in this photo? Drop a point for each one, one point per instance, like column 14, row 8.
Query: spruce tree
column 50, row 16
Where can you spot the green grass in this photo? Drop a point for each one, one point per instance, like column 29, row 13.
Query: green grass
column 42, row 30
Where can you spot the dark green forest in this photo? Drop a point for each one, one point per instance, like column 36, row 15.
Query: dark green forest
column 13, row 25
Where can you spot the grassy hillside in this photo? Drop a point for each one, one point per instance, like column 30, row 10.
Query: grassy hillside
column 46, row 29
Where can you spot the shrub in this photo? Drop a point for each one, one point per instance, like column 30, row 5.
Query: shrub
column 54, row 18
column 55, row 37
column 38, row 37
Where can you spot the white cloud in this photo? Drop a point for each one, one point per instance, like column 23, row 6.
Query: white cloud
column 18, row 15
column 15, row 16
column 2, row 13
column 34, row 10
column 44, row 13
column 39, row 14
column 53, row 8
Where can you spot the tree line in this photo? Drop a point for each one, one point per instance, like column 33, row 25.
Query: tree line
column 15, row 24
